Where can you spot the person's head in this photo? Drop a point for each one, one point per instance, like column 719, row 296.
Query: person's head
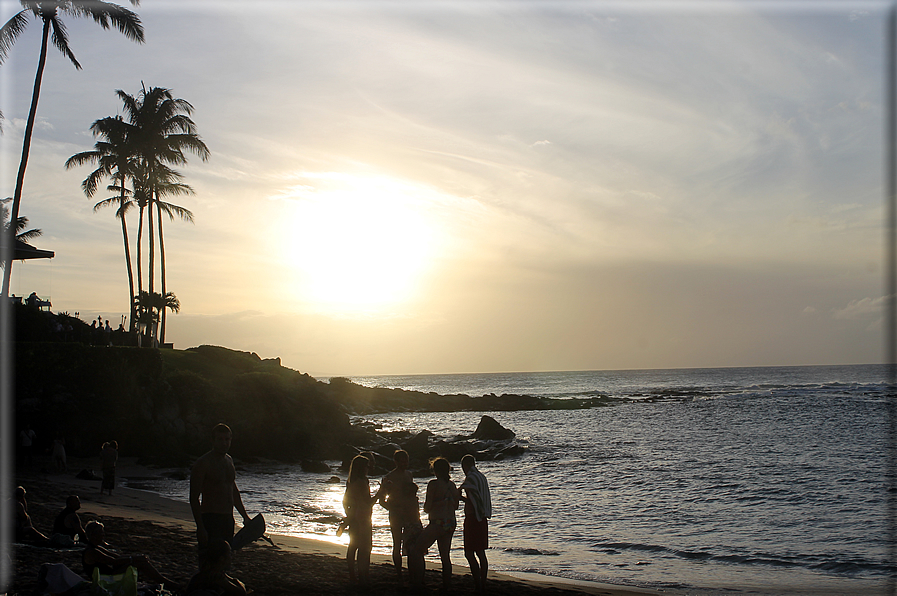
column 73, row 502
column 221, row 438
column 96, row 532
column 113, row 444
column 20, row 493
column 467, row 462
column 359, row 467
column 401, row 458
column 441, row 468
column 218, row 555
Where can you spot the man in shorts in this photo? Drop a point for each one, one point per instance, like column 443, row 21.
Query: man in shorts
column 398, row 497
column 214, row 492
column 477, row 510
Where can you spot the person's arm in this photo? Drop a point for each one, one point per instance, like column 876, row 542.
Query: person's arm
column 196, row 476
column 429, row 499
column 238, row 503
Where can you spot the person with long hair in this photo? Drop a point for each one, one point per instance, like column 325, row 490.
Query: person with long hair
column 359, row 504
column 440, row 505
column 401, row 502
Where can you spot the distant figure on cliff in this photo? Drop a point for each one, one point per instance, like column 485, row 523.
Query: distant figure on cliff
column 214, row 492
column 397, row 499
column 108, row 458
column 477, row 510
column 440, row 504
column 359, row 504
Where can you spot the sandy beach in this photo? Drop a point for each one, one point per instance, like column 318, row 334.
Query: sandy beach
column 142, row 522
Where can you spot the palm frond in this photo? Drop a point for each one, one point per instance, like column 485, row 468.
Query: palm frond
column 11, row 31
column 60, row 39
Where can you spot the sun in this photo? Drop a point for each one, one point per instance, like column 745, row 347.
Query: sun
column 357, row 243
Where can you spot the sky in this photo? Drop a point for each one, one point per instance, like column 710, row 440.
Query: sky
column 439, row 187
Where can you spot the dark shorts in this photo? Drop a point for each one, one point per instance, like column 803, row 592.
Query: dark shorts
column 219, row 526
column 108, row 478
column 476, row 534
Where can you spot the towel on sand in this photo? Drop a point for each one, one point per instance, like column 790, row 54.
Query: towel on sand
column 478, row 492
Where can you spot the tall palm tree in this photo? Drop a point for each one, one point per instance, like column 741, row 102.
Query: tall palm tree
column 171, row 211
column 166, row 132
column 103, row 13
column 114, row 157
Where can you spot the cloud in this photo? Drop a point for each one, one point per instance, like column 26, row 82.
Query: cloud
column 862, row 309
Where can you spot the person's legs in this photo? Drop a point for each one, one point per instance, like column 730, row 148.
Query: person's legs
column 445, row 545
column 484, row 568
column 418, row 549
column 351, row 550
column 395, row 527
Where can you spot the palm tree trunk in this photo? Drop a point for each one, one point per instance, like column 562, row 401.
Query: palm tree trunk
column 152, row 248
column 23, row 162
column 162, row 272
column 124, row 233
column 139, row 252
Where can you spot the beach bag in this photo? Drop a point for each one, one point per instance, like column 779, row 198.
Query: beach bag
column 121, row 584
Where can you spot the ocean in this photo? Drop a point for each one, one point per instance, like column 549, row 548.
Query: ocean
column 767, row 480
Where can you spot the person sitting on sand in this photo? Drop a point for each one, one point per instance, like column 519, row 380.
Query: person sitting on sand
column 108, row 458
column 477, row 510
column 25, row 531
column 212, row 579
column 359, row 505
column 440, row 504
column 99, row 555
column 395, row 501
column 67, row 521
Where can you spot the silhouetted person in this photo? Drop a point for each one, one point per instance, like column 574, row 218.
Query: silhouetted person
column 25, row 530
column 212, row 577
column 214, row 492
column 26, row 445
column 67, row 522
column 100, row 555
column 359, row 504
column 477, row 510
column 108, row 459
column 440, row 504
column 396, row 500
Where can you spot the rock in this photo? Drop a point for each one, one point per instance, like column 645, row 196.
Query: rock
column 418, row 446
column 333, row 480
column 314, row 467
column 490, row 430
column 87, row 475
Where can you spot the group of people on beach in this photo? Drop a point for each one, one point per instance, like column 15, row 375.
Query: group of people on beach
column 214, row 496
column 398, row 495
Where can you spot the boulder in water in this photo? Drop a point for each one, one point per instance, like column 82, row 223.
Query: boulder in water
column 490, row 430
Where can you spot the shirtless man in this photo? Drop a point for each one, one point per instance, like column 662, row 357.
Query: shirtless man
column 214, row 492
column 395, row 500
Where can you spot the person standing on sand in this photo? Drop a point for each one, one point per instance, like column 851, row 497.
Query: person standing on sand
column 440, row 504
column 108, row 458
column 395, row 500
column 477, row 510
column 214, row 492
column 359, row 504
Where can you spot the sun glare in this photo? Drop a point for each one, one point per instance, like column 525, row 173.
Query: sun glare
column 357, row 243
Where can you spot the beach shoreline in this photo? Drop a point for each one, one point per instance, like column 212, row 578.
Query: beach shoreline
column 318, row 565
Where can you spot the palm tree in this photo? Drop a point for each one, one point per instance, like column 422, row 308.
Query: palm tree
column 149, row 307
column 114, row 157
column 165, row 133
column 103, row 13
column 21, row 234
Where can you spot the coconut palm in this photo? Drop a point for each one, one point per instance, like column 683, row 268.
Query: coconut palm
column 21, row 234
column 114, row 158
column 48, row 11
column 166, row 132
column 149, row 307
